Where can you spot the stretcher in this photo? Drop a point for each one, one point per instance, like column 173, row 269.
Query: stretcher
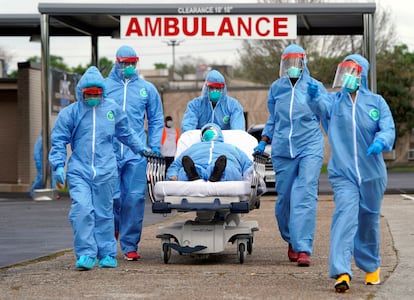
column 219, row 206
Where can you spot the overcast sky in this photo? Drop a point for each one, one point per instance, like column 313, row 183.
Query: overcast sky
column 77, row 50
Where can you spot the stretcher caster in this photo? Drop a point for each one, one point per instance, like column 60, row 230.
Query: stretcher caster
column 242, row 253
column 166, row 252
column 250, row 246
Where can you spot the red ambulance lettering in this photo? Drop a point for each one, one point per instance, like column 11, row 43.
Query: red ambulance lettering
column 171, row 27
column 133, row 28
column 226, row 27
column 152, row 29
column 186, row 25
column 260, row 20
column 204, row 31
column 243, row 28
column 280, row 23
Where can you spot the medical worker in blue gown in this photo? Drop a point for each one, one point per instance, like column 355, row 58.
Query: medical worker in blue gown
column 90, row 126
column 213, row 106
column 360, row 127
column 297, row 153
column 211, row 159
column 141, row 102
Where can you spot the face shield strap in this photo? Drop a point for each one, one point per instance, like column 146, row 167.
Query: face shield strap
column 127, row 59
column 92, row 90
column 215, row 85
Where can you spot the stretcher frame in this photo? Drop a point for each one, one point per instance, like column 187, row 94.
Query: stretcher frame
column 218, row 218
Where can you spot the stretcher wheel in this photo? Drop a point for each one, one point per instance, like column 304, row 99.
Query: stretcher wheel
column 242, row 252
column 166, row 252
column 250, row 245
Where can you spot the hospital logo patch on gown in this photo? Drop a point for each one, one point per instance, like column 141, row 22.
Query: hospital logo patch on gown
column 143, row 92
column 226, row 119
column 110, row 116
column 374, row 114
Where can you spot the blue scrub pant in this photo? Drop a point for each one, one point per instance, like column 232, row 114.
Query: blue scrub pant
column 129, row 207
column 91, row 216
column 297, row 183
column 355, row 228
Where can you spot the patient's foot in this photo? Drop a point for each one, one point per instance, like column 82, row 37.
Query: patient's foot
column 218, row 170
column 190, row 168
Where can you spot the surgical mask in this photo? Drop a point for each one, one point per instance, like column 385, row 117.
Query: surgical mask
column 294, row 72
column 350, row 83
column 214, row 95
column 93, row 101
column 209, row 135
column 129, row 71
column 169, row 123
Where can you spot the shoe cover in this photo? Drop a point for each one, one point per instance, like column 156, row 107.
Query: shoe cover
column 85, row 262
column 108, row 262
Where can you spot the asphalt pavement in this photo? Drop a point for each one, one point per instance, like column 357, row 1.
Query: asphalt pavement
column 36, row 260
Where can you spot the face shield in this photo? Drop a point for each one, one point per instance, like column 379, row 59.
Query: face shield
column 215, row 90
column 209, row 134
column 92, row 95
column 347, row 76
column 291, row 65
column 127, row 65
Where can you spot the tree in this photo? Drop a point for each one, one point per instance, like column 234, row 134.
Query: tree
column 395, row 73
column 160, row 66
column 188, row 65
column 261, row 58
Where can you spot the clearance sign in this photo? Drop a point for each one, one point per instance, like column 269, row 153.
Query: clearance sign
column 209, row 26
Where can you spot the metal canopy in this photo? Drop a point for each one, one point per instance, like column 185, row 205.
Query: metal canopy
column 103, row 19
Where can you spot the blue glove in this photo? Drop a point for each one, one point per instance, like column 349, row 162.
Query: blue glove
column 38, row 165
column 156, row 151
column 313, row 90
column 260, row 148
column 375, row 148
column 60, row 175
column 145, row 152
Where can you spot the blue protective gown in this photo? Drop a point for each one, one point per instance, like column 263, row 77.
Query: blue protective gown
column 38, row 158
column 205, row 154
column 91, row 169
column 228, row 112
column 297, row 157
column 140, row 100
column 358, row 181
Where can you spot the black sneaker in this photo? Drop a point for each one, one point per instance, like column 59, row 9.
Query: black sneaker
column 190, row 168
column 218, row 170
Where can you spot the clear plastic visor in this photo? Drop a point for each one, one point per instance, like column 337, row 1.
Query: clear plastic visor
column 290, row 60
column 348, row 68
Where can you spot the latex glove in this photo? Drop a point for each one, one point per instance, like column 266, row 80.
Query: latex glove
column 313, row 90
column 375, row 148
column 156, row 151
column 145, row 152
column 38, row 165
column 260, row 148
column 60, row 175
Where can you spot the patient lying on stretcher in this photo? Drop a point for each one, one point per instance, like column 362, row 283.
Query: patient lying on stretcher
column 210, row 160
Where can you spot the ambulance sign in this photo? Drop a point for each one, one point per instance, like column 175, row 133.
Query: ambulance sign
column 209, row 26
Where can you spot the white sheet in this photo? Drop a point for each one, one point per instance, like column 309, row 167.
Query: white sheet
column 200, row 188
